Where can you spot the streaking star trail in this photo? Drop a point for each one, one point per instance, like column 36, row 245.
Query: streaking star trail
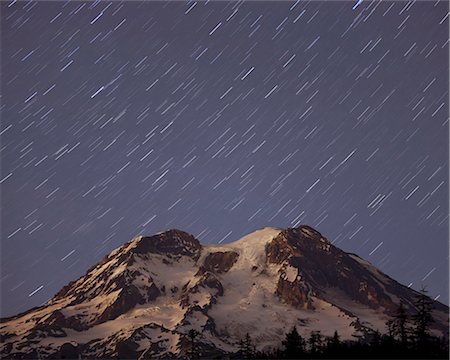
column 219, row 118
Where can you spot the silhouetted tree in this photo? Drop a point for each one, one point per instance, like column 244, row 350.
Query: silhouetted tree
column 294, row 344
column 246, row 347
column 334, row 346
column 390, row 328
column 193, row 348
column 376, row 339
column 387, row 344
column 422, row 320
column 315, row 343
column 372, row 345
column 68, row 351
column 399, row 325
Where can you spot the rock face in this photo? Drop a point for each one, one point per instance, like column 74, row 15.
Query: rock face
column 218, row 262
column 143, row 298
column 173, row 242
column 323, row 266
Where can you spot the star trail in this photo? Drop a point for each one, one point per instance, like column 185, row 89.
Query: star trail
column 218, row 118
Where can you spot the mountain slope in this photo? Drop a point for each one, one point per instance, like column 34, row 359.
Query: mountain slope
column 143, row 298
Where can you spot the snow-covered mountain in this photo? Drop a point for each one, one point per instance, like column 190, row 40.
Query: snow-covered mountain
column 142, row 299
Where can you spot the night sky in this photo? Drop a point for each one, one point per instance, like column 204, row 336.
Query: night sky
column 219, row 118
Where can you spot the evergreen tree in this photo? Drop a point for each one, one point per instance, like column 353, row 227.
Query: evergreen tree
column 193, row 349
column 335, row 340
column 334, row 346
column 399, row 325
column 246, row 347
column 422, row 319
column 294, row 344
column 315, row 342
column 375, row 347
column 376, row 339
column 390, row 328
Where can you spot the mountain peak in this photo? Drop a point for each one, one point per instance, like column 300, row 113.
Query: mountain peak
column 304, row 236
column 152, row 291
column 257, row 237
column 309, row 231
column 304, row 232
column 173, row 242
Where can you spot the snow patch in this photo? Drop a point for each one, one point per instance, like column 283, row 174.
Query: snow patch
column 290, row 273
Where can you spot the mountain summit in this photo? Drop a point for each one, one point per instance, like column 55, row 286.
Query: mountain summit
column 142, row 299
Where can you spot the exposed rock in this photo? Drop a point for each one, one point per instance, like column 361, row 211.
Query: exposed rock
column 210, row 281
column 218, row 262
column 44, row 329
column 294, row 293
column 324, row 266
column 58, row 321
column 126, row 300
column 173, row 242
column 206, row 281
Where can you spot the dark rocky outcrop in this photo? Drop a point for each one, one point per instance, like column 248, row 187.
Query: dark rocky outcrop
column 218, row 262
column 127, row 299
column 294, row 293
column 324, row 266
column 57, row 320
column 206, row 281
column 173, row 242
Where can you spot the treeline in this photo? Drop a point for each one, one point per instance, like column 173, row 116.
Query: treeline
column 406, row 338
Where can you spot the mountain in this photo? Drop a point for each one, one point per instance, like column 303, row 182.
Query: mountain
column 142, row 299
